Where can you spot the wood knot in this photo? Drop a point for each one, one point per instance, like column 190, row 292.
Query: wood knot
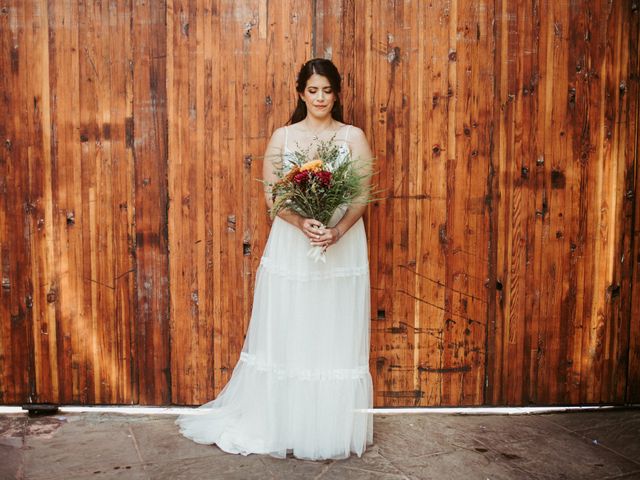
column 558, row 179
column 623, row 88
column 393, row 56
column 52, row 296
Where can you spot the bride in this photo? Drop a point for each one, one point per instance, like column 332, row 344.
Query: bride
column 302, row 383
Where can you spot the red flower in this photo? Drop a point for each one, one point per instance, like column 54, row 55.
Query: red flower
column 324, row 177
column 302, row 177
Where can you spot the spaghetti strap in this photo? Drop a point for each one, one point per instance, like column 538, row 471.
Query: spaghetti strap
column 346, row 136
column 286, row 137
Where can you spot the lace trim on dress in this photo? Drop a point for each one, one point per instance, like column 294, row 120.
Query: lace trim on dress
column 283, row 372
column 275, row 269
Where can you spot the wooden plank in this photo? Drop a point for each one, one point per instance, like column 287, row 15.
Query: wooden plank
column 480, row 128
column 538, row 207
column 569, row 367
column 42, row 235
column 152, row 365
column 123, row 201
column 548, row 212
column 73, row 320
column 259, row 121
column 464, row 258
column 184, row 307
column 430, row 267
column 498, row 308
column 632, row 195
column 616, row 341
column 230, row 206
column 17, row 365
column 398, row 48
column 90, row 153
column 413, row 118
column 512, row 205
column 377, row 86
column 594, row 152
column 213, row 188
column 91, row 159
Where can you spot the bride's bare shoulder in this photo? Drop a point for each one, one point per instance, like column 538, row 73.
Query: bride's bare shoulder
column 278, row 133
column 277, row 138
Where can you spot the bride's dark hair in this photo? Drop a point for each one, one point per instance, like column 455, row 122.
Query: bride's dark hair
column 325, row 68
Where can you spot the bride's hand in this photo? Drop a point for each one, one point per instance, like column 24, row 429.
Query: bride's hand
column 311, row 228
column 328, row 237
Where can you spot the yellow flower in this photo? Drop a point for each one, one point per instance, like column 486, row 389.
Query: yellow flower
column 313, row 165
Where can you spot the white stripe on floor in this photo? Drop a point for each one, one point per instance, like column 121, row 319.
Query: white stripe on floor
column 132, row 410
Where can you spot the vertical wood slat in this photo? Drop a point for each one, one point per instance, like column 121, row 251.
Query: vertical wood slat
column 569, row 370
column 596, row 238
column 42, row 228
column 616, row 345
column 179, row 31
column 376, row 85
column 402, row 205
column 630, row 271
column 123, row 202
column 151, row 365
column 74, row 367
column 17, row 374
column 431, row 262
column 512, row 222
column 106, row 173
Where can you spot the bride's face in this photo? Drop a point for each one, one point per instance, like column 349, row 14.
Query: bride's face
column 318, row 95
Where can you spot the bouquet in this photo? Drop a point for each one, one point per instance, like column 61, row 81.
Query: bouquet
column 321, row 188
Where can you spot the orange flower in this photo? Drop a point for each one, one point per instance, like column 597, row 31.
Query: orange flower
column 289, row 176
column 313, row 166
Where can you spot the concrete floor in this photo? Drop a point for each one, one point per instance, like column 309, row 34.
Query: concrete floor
column 585, row 445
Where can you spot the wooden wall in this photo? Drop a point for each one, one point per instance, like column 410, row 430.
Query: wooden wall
column 566, row 150
column 504, row 255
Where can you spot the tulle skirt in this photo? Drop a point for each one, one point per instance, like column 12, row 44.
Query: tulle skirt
column 302, row 383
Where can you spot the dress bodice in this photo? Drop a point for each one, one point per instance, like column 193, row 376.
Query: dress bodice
column 289, row 158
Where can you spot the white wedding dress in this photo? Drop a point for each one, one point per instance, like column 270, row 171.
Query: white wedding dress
column 302, row 383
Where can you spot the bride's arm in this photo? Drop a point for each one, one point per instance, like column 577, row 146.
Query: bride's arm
column 273, row 157
column 272, row 163
column 360, row 151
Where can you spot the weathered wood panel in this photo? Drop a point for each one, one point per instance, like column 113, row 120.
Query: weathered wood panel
column 17, row 368
column 151, row 366
column 565, row 164
column 629, row 147
column 70, row 288
column 504, row 251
